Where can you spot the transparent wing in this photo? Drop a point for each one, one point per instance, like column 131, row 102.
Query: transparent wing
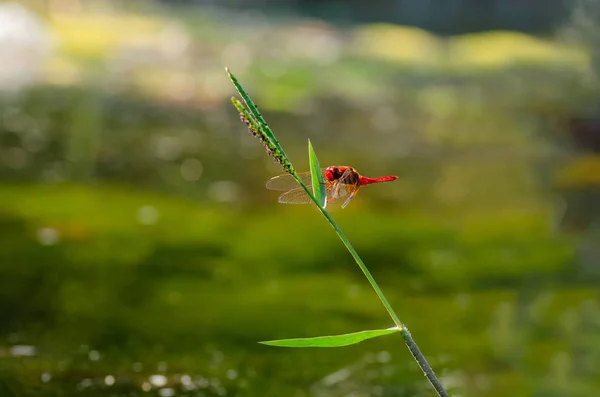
column 346, row 185
column 295, row 196
column 349, row 177
column 285, row 182
column 299, row 196
column 350, row 196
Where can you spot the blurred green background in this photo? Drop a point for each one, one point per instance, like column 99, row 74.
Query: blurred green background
column 140, row 253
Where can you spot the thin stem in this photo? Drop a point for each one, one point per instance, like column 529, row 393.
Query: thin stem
column 257, row 123
column 408, row 340
column 364, row 269
column 422, row 361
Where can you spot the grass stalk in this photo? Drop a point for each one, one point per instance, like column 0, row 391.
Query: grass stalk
column 406, row 335
column 259, row 128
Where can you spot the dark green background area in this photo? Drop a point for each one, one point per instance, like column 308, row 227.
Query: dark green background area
column 119, row 276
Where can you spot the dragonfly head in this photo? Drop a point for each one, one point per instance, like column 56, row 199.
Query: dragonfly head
column 332, row 173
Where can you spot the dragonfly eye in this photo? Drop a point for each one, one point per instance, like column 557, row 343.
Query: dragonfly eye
column 332, row 173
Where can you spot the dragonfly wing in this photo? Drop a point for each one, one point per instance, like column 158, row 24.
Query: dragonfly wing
column 299, row 196
column 295, row 196
column 344, row 185
column 350, row 196
column 337, row 190
column 285, row 182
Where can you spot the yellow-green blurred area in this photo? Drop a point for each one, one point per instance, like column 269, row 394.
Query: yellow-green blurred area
column 140, row 253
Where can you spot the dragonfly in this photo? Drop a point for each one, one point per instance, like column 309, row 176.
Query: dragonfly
column 340, row 182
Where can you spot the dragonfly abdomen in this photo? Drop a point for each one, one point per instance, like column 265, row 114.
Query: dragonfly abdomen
column 364, row 180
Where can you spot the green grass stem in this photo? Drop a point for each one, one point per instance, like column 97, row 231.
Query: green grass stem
column 255, row 121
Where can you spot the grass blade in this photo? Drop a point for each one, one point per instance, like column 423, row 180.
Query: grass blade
column 317, row 176
column 331, row 341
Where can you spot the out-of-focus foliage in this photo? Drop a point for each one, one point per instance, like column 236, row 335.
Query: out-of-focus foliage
column 141, row 253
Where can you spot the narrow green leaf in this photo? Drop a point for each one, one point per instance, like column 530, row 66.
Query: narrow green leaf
column 331, row 341
column 317, row 177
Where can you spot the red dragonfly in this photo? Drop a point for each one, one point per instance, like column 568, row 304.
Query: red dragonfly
column 341, row 181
